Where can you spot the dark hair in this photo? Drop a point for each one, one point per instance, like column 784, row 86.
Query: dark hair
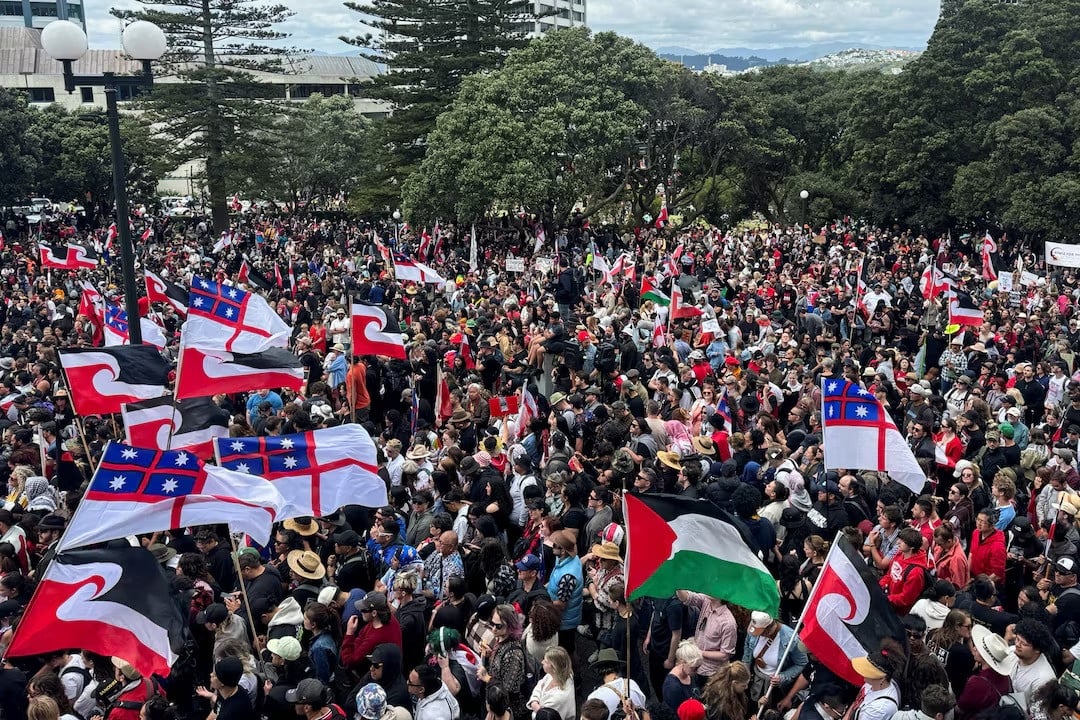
column 746, row 500
column 498, row 701
column 429, row 677
column 894, row 514
column 1037, row 635
column 937, row 699
column 158, row 708
column 1053, row 695
column 457, row 586
column 546, row 713
column 912, row 538
column 442, row 521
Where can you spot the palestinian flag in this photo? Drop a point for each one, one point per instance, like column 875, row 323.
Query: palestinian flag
column 650, row 291
column 675, row 543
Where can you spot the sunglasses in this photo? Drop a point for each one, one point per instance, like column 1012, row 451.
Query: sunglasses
column 498, row 626
column 375, row 665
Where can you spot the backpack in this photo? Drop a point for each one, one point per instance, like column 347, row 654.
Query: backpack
column 605, row 360
column 87, row 676
column 927, row 576
column 533, row 672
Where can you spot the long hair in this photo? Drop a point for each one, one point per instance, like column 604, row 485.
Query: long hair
column 509, row 617
column 949, row 633
column 719, row 692
column 562, row 670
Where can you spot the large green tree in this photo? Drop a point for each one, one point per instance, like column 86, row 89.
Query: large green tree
column 595, row 122
column 72, row 146
column 219, row 110
column 314, row 151
column 20, row 149
column 429, row 47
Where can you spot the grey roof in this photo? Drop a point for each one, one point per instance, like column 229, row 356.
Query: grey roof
column 21, row 54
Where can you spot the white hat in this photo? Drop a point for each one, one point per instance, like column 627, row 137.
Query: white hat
column 961, row 466
column 327, row 594
column 760, row 620
column 994, row 651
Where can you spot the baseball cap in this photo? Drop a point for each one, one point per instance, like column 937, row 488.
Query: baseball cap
column 310, row 692
column 287, row 647
column 372, row 601
column 229, row 670
column 1065, row 565
column 529, row 562
column 214, row 613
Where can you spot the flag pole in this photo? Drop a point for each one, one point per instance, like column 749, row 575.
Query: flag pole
column 80, row 506
column 243, row 591
column 802, row 616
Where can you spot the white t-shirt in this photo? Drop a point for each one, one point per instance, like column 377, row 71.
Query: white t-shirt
column 613, row 692
column 1027, row 679
column 879, row 704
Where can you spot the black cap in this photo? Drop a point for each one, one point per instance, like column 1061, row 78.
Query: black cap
column 347, row 537
column 214, row 613
column 229, row 670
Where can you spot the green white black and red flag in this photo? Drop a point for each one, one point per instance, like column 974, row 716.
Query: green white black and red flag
column 675, row 543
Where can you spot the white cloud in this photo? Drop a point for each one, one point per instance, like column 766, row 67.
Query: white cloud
column 701, row 24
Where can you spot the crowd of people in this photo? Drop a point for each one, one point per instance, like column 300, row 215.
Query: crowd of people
column 492, row 584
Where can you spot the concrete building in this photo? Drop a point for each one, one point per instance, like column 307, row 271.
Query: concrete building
column 555, row 15
column 25, row 66
column 39, row 13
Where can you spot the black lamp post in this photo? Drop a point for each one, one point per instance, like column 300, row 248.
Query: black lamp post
column 65, row 41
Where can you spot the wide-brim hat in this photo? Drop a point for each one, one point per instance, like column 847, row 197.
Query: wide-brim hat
column 704, row 444
column 993, row 649
column 306, row 564
column 607, row 551
column 867, row 669
column 460, row 416
column 419, row 452
column 304, row 526
column 670, row 459
column 605, row 660
column 162, row 553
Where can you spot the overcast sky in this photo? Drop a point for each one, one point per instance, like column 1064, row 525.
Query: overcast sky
column 703, row 25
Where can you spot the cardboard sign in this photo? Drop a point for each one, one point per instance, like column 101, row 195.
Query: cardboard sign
column 514, row 264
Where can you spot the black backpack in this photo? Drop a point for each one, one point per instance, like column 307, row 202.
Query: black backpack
column 533, row 672
column 606, row 359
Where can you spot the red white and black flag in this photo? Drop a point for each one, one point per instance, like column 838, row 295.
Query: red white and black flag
column 158, row 289
column 963, row 310
column 67, row 256
column 847, row 614
column 204, row 372
column 167, row 424
column 375, row 331
column 251, row 275
column 503, row 405
column 113, row 602
column 101, row 380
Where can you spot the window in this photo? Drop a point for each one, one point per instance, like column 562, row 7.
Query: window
column 579, row 17
column 87, row 94
column 75, row 12
column 127, row 92
column 306, row 90
column 11, row 8
column 41, row 95
column 43, row 9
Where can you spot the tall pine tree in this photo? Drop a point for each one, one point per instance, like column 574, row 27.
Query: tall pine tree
column 428, row 47
column 219, row 110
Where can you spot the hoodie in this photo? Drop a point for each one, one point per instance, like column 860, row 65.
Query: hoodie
column 440, row 705
column 905, row 581
column 931, row 611
column 287, row 621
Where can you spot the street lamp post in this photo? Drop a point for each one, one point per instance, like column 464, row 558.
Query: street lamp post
column 65, row 41
column 804, row 194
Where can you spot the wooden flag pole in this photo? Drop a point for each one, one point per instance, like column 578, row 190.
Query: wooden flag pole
column 243, row 592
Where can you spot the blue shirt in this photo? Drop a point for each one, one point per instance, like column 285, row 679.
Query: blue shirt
column 1005, row 516
column 253, row 404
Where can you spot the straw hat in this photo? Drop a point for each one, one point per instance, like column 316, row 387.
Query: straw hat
column 672, row 460
column 704, row 444
column 994, row 651
column 419, row 452
column 304, row 526
column 306, row 564
column 607, row 551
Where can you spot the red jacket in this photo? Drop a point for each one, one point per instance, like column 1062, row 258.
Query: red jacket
column 987, row 556
column 904, row 585
column 356, row 648
column 129, row 704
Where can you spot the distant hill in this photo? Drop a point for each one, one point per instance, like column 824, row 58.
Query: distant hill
column 741, row 58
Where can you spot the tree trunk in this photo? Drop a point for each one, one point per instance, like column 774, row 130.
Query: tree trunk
column 215, row 168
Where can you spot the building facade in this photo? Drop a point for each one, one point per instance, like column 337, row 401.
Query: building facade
column 556, row 15
column 39, row 13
